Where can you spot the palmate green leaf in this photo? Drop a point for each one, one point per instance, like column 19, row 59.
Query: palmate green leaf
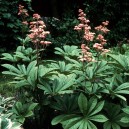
column 97, row 69
column 20, row 48
column 84, row 120
column 22, row 111
column 33, row 74
column 76, row 123
column 66, row 103
column 121, row 97
column 122, row 86
column 29, row 113
column 126, row 110
column 30, row 66
column 12, row 68
column 8, row 57
column 115, row 126
column 97, row 108
column 68, row 51
column 91, row 125
column 32, row 106
column 59, row 51
column 63, row 82
column 56, row 88
column 71, row 50
column 29, row 51
column 16, row 125
column 44, row 71
column 90, row 107
column 125, row 119
column 98, row 118
column 30, row 81
column 114, row 109
column 57, row 119
column 100, row 66
column 21, row 83
column 107, row 125
column 110, row 125
column 46, row 88
column 10, row 73
column 21, row 120
column 122, row 61
column 5, row 123
column 66, row 92
column 15, row 110
column 18, row 105
column 82, row 102
column 114, row 116
column 33, row 57
column 74, row 62
column 114, row 89
column 61, row 66
column 84, row 125
column 22, row 68
column 21, row 55
column 122, row 92
column 90, row 72
column 64, row 117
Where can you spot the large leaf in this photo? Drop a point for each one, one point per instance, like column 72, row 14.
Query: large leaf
column 97, row 108
column 60, row 85
column 82, row 102
column 98, row 118
column 12, row 68
column 126, row 110
column 116, row 119
column 30, row 66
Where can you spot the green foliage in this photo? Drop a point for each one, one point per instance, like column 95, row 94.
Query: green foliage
column 24, row 76
column 6, row 123
column 59, row 79
column 59, row 85
column 121, row 62
column 74, row 94
column 66, row 104
column 21, row 111
column 122, row 48
column 21, row 55
column 6, row 105
column 79, row 91
column 71, row 51
column 89, row 112
column 116, row 119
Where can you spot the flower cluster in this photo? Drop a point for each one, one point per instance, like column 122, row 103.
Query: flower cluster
column 88, row 35
column 100, row 38
column 103, row 28
column 23, row 13
column 86, row 55
column 37, row 32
